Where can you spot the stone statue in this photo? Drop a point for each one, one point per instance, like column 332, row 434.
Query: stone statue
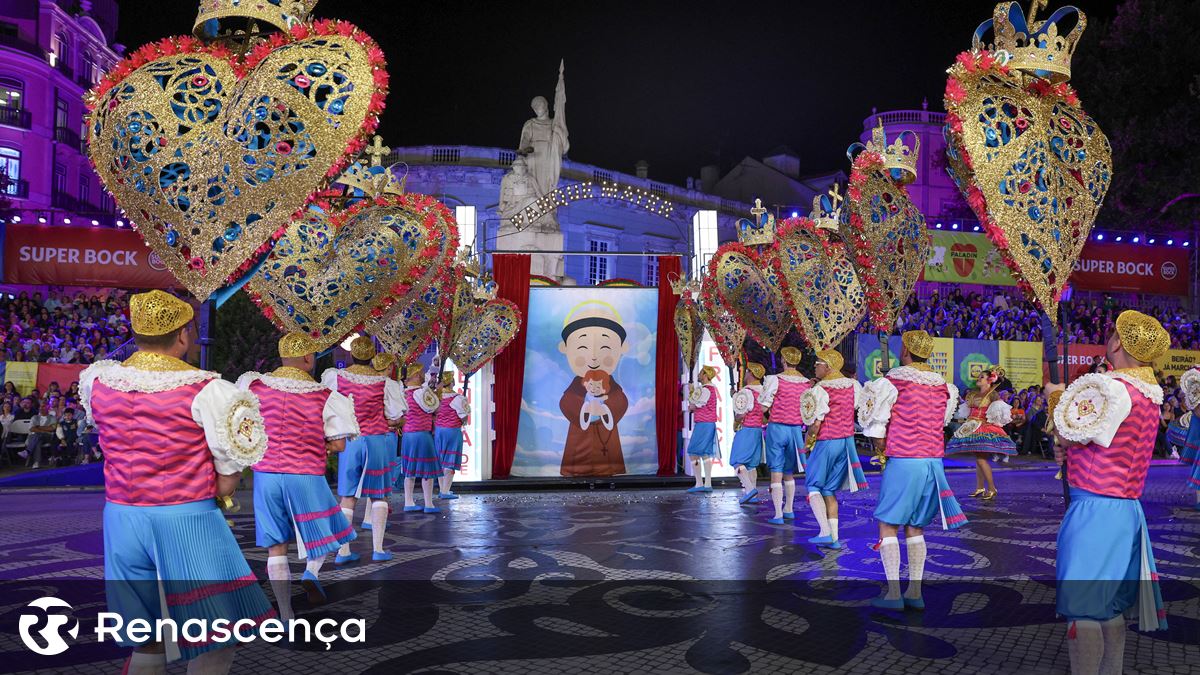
column 516, row 190
column 544, row 140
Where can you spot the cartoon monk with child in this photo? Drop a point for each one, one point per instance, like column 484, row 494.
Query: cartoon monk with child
column 593, row 342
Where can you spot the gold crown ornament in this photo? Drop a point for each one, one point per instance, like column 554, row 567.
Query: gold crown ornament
column 708, row 371
column 827, row 209
column 681, row 285
column 791, row 355
column 158, row 313
column 758, row 369
column 759, row 230
column 899, row 160
column 383, row 362
column 1143, row 337
column 296, row 345
column 1032, row 46
column 831, row 358
column 362, row 348
column 280, row 14
column 371, row 181
column 918, row 342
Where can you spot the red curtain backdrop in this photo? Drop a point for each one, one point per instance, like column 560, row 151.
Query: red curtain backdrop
column 512, row 280
column 666, row 369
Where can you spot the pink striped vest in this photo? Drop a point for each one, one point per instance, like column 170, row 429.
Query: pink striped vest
column 918, row 420
column 785, row 409
column 447, row 417
column 1120, row 469
column 753, row 418
column 416, row 419
column 368, row 405
column 295, row 430
column 839, row 422
column 708, row 413
column 154, row 452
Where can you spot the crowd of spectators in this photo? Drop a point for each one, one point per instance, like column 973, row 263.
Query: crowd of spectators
column 62, row 328
column 1009, row 316
column 58, row 434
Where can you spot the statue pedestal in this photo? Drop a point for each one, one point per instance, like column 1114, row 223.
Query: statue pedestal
column 541, row 236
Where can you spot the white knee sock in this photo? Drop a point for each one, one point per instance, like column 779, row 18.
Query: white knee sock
column 314, row 565
column 744, row 478
column 281, row 581
column 789, row 495
column 379, row 513
column 708, row 471
column 752, row 476
column 1113, row 661
column 889, row 552
column 777, row 498
column 916, row 565
column 833, row 532
column 1085, row 645
column 447, row 481
column 817, row 502
column 344, row 549
column 212, row 663
column 697, row 473
column 427, row 491
column 410, row 485
column 141, row 663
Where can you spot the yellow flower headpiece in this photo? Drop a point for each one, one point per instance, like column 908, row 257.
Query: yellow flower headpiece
column 158, row 313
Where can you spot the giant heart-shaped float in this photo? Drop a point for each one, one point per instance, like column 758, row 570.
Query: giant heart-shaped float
column 886, row 233
column 689, row 328
column 821, row 288
column 212, row 155
column 481, row 332
column 750, row 291
column 725, row 331
column 425, row 312
column 1033, row 166
column 332, row 271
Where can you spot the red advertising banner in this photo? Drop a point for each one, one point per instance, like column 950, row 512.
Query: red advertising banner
column 62, row 373
column 81, row 256
column 1140, row 269
column 1079, row 360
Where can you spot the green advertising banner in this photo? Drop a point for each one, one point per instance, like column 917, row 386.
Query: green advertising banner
column 964, row 258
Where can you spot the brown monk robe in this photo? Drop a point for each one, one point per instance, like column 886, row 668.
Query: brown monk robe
column 595, row 451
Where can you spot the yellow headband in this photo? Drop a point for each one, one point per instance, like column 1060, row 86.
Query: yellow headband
column 1142, row 336
column 831, row 358
column 158, row 313
column 362, row 348
column 919, row 343
column 296, row 345
column 791, row 355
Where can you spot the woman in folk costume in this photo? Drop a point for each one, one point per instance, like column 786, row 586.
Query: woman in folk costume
column 448, row 436
column 702, row 446
column 983, row 435
column 418, row 458
column 828, row 410
column 785, row 432
column 304, row 421
column 1107, row 426
column 747, row 452
column 1189, row 382
column 365, row 466
column 176, row 439
column 905, row 414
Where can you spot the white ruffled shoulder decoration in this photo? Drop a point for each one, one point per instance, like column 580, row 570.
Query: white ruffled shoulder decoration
column 951, row 402
column 240, row 430
column 839, row 383
column 1189, row 382
column 86, row 379
column 124, row 378
column 358, row 378
column 909, row 374
column 875, row 407
column 814, row 404
column 290, row 385
column 1092, row 409
column 1150, row 391
column 1185, row 420
column 743, row 401
column 248, row 378
column 999, row 413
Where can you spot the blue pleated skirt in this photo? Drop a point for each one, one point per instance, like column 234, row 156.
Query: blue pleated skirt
column 914, row 491
column 703, row 442
column 366, row 466
column 747, row 448
column 418, row 458
column 1105, row 564
column 785, row 447
column 1191, row 454
column 182, row 557
column 448, row 442
column 833, row 465
column 288, row 505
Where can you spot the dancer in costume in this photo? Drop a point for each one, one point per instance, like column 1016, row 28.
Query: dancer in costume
column 1190, row 383
column 304, row 421
column 905, row 413
column 418, row 458
column 983, row 435
column 448, row 436
column 702, row 446
column 1107, row 424
column 365, row 466
column 747, row 452
column 828, row 410
column 175, row 438
column 785, row 432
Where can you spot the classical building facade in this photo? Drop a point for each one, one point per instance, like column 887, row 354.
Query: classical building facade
column 51, row 53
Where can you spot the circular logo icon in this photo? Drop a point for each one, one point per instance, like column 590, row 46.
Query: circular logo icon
column 156, row 262
column 1168, row 270
column 42, row 631
column 971, row 366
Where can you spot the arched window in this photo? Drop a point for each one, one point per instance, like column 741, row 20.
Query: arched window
column 88, row 68
column 12, row 91
column 62, row 51
column 10, row 166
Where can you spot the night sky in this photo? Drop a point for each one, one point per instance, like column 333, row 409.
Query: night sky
column 678, row 84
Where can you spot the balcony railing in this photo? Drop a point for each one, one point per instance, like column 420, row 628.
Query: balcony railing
column 15, row 117
column 62, row 200
column 904, row 117
column 68, row 137
column 17, row 189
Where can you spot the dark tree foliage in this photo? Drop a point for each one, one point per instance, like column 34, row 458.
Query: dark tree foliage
column 243, row 339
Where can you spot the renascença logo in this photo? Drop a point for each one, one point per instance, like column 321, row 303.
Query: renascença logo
column 51, row 634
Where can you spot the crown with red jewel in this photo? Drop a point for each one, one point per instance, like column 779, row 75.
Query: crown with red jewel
column 759, row 229
column 1032, row 46
column 281, row 14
